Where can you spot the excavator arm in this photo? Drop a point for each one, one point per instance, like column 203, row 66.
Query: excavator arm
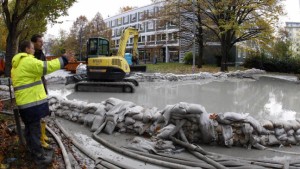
column 130, row 31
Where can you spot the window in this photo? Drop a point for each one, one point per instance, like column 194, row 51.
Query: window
column 141, row 27
column 150, row 25
column 148, row 38
column 170, row 36
column 163, row 36
column 151, row 13
column 113, row 23
column 143, row 38
column 113, row 32
column 141, row 15
column 130, row 40
column 152, row 39
column 126, row 19
column 119, row 21
column 158, row 36
column 103, row 47
column 119, row 31
column 133, row 17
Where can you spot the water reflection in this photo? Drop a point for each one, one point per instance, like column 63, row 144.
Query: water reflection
column 264, row 99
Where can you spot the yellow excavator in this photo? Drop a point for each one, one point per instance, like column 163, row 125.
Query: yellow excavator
column 107, row 73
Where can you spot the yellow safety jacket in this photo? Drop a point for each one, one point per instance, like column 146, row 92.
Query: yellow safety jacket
column 26, row 76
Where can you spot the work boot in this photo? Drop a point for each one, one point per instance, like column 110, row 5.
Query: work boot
column 44, row 137
column 41, row 159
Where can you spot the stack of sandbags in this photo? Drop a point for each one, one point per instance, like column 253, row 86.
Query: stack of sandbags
column 92, row 115
column 198, row 126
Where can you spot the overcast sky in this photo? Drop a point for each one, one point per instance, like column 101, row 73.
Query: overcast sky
column 89, row 8
column 108, row 8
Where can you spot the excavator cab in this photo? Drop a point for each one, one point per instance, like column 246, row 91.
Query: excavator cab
column 97, row 47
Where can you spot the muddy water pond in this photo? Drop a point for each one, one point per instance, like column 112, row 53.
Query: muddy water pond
column 266, row 98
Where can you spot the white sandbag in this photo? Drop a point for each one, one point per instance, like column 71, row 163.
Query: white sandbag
column 111, row 102
column 65, row 113
column 293, row 124
column 180, row 108
column 58, row 112
column 291, row 140
column 80, row 118
column 235, row 117
column 147, row 115
column 90, row 108
column 290, row 132
column 277, row 123
column 267, row 124
column 195, row 109
column 140, row 144
column 165, row 132
column 282, row 137
column 129, row 121
column 157, row 116
column 52, row 100
column 100, row 110
column 118, row 111
column 98, row 121
column 138, row 116
column 167, row 113
column 272, row 140
column 121, row 125
column 227, row 135
column 256, row 125
column 131, row 111
column 279, row 131
column 206, row 126
column 88, row 120
column 109, row 128
column 297, row 137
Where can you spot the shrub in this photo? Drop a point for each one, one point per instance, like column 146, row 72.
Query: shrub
column 188, row 58
column 284, row 65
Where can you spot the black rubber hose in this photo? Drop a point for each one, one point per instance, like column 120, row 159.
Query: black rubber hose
column 172, row 160
column 98, row 161
column 62, row 147
column 138, row 157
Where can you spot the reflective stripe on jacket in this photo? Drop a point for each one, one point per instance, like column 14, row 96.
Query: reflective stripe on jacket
column 26, row 76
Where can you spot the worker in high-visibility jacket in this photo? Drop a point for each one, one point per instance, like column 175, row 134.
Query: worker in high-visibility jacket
column 30, row 95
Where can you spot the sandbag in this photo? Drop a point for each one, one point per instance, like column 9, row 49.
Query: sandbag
column 267, row 124
column 165, row 132
column 98, row 121
column 88, row 120
column 109, row 127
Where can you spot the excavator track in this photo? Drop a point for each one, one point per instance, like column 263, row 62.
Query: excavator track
column 133, row 81
column 119, row 87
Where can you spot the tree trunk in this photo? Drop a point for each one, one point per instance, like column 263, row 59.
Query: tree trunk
column 225, row 52
column 11, row 49
column 200, row 53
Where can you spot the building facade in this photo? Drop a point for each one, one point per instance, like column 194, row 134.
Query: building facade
column 161, row 40
column 155, row 40
column 293, row 28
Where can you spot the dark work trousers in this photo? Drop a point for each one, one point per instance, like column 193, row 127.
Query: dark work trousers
column 31, row 118
column 32, row 136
